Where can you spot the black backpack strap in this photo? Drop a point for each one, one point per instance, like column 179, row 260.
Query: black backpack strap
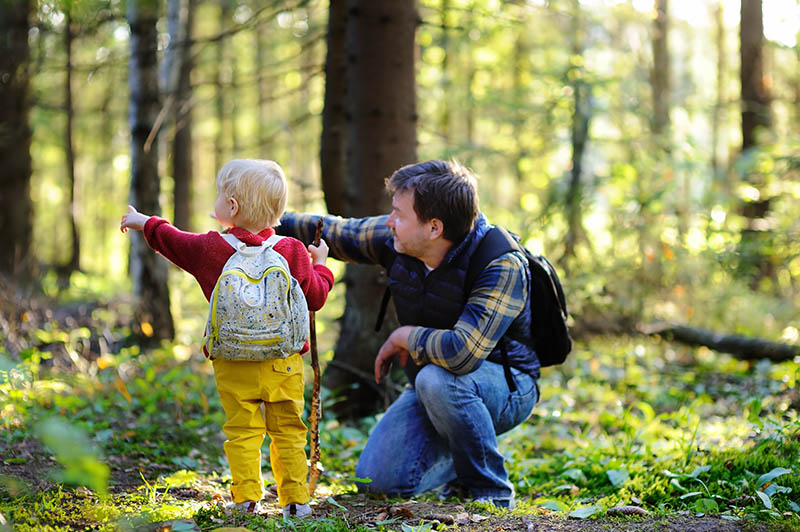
column 512, row 385
column 387, row 295
column 497, row 241
column 386, row 261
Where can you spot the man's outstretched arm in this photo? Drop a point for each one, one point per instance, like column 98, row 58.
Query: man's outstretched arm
column 362, row 240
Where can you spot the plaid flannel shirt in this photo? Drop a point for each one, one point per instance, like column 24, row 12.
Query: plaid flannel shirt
column 498, row 296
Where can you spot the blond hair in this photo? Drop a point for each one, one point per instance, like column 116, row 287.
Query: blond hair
column 260, row 188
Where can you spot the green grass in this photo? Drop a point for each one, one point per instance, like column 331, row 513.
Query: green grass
column 626, row 421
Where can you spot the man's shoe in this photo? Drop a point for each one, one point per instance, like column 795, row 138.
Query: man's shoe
column 296, row 510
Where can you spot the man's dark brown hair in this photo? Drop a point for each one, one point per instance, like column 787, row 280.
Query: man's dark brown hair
column 442, row 189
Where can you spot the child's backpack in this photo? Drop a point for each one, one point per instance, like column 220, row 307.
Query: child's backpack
column 549, row 332
column 257, row 309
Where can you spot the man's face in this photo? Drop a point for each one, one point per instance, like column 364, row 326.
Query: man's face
column 410, row 235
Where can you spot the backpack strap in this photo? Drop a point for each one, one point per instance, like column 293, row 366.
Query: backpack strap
column 496, row 242
column 238, row 245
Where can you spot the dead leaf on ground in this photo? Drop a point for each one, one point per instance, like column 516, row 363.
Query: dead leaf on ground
column 446, row 519
column 396, row 511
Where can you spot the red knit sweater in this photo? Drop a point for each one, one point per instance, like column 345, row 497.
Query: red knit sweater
column 204, row 255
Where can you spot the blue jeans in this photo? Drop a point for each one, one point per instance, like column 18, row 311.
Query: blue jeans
column 444, row 430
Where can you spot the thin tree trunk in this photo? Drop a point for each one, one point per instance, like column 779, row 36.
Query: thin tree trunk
column 755, row 97
column 444, row 117
column 381, row 138
column 332, row 153
column 661, row 76
column 177, row 73
column 717, row 116
column 221, row 76
column 16, row 208
column 582, row 114
column 755, row 123
column 74, row 263
column 149, row 271
column 518, row 121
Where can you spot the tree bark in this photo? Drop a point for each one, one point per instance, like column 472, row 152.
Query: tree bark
column 755, row 122
column 149, row 272
column 717, row 116
column 381, row 137
column 660, row 75
column 16, row 207
column 755, row 97
column 581, row 118
column 333, row 145
column 74, row 263
column 221, row 77
column 177, row 73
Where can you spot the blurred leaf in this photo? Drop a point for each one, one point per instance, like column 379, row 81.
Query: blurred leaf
column 698, row 471
column 772, row 475
column 75, row 453
column 574, row 474
column 617, row 477
column 583, row 513
column 772, row 489
column 765, row 499
column 554, row 505
column 706, row 506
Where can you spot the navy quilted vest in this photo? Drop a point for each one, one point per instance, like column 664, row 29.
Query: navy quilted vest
column 436, row 299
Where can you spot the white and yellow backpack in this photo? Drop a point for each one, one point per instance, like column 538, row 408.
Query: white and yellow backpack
column 257, row 310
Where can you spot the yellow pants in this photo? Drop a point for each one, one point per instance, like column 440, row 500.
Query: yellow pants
column 277, row 385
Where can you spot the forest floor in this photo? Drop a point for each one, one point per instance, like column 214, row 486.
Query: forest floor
column 349, row 511
column 626, row 424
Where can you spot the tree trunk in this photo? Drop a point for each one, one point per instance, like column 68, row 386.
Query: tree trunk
column 16, row 208
column 332, row 152
column 221, row 78
column 582, row 114
column 660, row 75
column 444, row 117
column 719, row 105
column 149, row 271
column 381, row 138
column 177, row 74
column 74, row 263
column 755, row 97
column 755, row 123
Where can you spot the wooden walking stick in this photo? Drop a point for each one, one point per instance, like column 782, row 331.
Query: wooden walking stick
column 315, row 468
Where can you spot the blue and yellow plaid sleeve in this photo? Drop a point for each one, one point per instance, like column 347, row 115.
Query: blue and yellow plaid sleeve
column 498, row 297
column 361, row 240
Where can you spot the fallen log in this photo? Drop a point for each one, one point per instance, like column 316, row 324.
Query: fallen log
column 741, row 347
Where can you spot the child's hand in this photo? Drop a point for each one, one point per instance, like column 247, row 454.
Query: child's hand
column 132, row 220
column 318, row 253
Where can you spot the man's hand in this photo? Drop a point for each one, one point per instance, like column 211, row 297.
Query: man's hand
column 132, row 220
column 395, row 345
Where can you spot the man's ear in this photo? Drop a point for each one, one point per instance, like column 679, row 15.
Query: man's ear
column 436, row 228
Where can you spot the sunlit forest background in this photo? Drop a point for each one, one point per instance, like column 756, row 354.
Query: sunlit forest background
column 649, row 148
column 501, row 86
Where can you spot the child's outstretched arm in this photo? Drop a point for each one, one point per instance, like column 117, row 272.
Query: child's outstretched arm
column 133, row 220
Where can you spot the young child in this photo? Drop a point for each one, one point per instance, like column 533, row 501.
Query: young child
column 251, row 198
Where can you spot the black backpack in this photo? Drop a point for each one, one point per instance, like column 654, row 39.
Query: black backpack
column 549, row 331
